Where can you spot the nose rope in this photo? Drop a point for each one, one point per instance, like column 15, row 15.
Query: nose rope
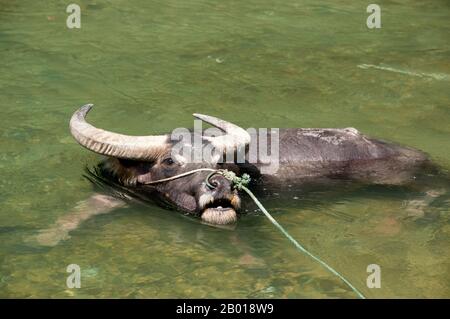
column 236, row 181
column 240, row 183
column 182, row 175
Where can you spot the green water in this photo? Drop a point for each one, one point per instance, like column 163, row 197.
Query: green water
column 148, row 65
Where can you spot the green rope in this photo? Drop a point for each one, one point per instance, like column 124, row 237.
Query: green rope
column 241, row 183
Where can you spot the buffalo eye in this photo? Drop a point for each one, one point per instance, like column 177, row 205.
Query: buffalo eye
column 168, row 161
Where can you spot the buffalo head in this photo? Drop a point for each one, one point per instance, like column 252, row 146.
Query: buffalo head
column 136, row 161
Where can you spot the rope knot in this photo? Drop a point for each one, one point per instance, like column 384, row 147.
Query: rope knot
column 238, row 182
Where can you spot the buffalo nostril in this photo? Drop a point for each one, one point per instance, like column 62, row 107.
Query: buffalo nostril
column 213, row 183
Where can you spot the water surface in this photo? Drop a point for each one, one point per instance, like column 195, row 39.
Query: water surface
column 147, row 66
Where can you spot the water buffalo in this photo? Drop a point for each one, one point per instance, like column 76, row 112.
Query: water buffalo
column 305, row 155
